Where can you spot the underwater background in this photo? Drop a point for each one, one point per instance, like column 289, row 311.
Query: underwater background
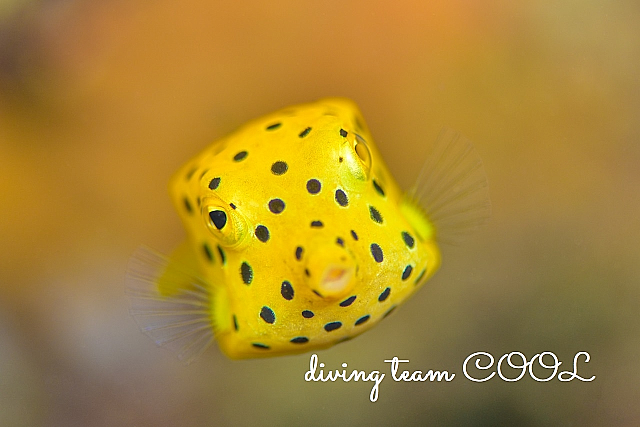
column 100, row 102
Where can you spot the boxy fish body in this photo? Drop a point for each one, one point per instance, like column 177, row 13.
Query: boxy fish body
column 298, row 237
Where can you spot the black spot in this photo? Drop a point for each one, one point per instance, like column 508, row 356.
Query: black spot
column 420, row 276
column 307, row 314
column 260, row 346
column 246, row 272
column 375, row 215
column 304, row 132
column 235, row 322
column 299, row 251
column 219, row 218
column 332, row 326
column 408, row 239
column 343, row 133
column 313, row 186
column 340, row 159
column 384, row 295
column 286, row 290
column 187, row 205
column 376, row 251
column 407, row 272
column 191, row 172
column 341, row 198
column 306, row 272
column 262, row 233
column 279, row 168
column 214, row 183
column 267, row 315
column 318, row 224
column 354, row 235
column 207, row 252
column 232, row 206
column 222, row 256
column 389, row 311
column 276, row 206
column 240, row 156
column 363, row 319
column 300, row 340
column 274, row 126
column 379, row 189
column 348, row 301
column 340, row 241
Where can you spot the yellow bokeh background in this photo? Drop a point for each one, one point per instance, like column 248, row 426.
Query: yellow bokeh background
column 100, row 102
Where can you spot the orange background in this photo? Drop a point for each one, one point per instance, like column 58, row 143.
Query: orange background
column 100, row 102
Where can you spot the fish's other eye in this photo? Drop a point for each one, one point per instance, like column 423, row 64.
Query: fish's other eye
column 359, row 158
column 228, row 226
column 362, row 150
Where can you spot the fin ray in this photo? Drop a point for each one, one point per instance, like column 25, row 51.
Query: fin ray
column 452, row 188
column 180, row 320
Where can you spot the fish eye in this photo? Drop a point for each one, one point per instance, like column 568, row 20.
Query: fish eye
column 224, row 222
column 218, row 218
column 359, row 159
column 362, row 150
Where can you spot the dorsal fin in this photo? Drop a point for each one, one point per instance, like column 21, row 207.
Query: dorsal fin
column 170, row 303
column 452, row 188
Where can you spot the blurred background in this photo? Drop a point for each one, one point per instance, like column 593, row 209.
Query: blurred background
column 100, row 102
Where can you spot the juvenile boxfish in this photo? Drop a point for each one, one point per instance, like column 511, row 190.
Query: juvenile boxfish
column 298, row 237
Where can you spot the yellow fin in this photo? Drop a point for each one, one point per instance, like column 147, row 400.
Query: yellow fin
column 170, row 303
column 452, row 189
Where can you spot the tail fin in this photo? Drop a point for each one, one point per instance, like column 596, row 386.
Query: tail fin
column 452, row 188
column 171, row 304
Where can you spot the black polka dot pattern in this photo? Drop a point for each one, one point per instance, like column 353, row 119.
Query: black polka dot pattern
column 222, row 255
column 299, row 340
column 299, row 251
column 274, row 126
column 246, row 272
column 304, row 132
column 354, row 235
column 332, row 326
column 343, row 133
column 260, row 346
column 207, row 252
column 375, row 215
column 340, row 241
column 235, row 322
column 240, row 156
column 408, row 239
column 262, row 233
column 314, row 186
column 286, row 290
column 341, row 198
column 187, row 205
column 384, row 295
column 348, row 301
column 267, row 315
column 279, row 168
column 407, row 272
column 317, row 224
column 307, row 314
column 214, row 183
column 276, row 206
column 376, row 252
column 363, row 319
column 377, row 187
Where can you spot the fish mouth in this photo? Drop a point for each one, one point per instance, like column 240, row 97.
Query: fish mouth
column 331, row 271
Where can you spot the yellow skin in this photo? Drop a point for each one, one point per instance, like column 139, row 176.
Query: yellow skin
column 239, row 200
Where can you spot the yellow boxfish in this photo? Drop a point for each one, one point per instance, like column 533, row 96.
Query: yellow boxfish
column 298, row 237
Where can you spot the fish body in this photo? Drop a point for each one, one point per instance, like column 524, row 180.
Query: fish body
column 298, row 238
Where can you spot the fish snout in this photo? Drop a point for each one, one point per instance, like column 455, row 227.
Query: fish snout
column 331, row 271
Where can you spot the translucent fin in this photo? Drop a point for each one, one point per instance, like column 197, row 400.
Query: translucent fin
column 452, row 188
column 180, row 320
